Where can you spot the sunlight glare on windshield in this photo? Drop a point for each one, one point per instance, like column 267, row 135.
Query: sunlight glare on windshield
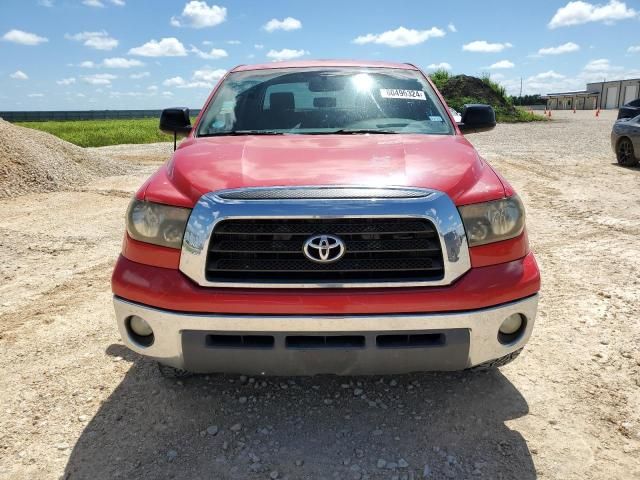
column 362, row 81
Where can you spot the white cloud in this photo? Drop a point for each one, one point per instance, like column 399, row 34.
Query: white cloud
column 152, row 88
column 601, row 65
column 258, row 46
column 550, row 74
column 213, row 54
column 285, row 24
column 204, row 78
column 452, row 28
column 546, row 82
column 200, row 15
column 19, row 75
column 138, row 76
column 100, row 3
column 206, row 85
column 114, row 62
column 66, row 81
column 233, row 42
column 207, row 75
column 98, row 40
column 174, row 82
column 99, row 79
column 286, row 54
column 130, row 94
column 560, row 49
column 483, row 46
column 502, row 64
column 167, row 94
column 634, row 49
column 576, row 13
column 166, row 47
column 35, row 95
column 400, row 37
column 119, row 62
column 45, row 3
column 440, row 66
column 23, row 38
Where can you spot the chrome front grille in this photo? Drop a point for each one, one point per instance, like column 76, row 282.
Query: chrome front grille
column 392, row 237
column 377, row 249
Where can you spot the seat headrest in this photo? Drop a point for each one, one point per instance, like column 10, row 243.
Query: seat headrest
column 281, row 101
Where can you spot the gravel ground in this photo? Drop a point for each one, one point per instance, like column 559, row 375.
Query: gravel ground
column 74, row 403
column 34, row 161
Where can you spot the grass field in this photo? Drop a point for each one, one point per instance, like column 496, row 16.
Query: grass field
column 99, row 133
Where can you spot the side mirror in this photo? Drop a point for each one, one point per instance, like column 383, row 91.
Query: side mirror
column 176, row 121
column 477, row 118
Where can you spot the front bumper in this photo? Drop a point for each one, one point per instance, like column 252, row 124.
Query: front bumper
column 318, row 344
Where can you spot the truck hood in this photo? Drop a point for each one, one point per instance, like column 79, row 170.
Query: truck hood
column 447, row 163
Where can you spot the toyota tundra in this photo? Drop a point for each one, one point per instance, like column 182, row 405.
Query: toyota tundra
column 326, row 217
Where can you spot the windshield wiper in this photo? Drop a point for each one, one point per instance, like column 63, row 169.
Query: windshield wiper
column 240, row 132
column 355, row 131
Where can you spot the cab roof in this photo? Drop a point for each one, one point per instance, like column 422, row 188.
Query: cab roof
column 324, row 63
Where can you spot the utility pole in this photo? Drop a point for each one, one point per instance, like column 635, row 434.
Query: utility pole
column 520, row 91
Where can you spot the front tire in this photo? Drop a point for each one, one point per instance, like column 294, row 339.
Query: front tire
column 625, row 154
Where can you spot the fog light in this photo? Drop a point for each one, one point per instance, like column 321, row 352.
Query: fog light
column 511, row 324
column 139, row 326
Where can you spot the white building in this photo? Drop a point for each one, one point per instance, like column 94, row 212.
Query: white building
column 604, row 95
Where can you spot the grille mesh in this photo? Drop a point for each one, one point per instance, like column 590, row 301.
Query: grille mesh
column 377, row 249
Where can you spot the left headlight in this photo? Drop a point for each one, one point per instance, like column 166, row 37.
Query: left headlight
column 493, row 221
column 156, row 223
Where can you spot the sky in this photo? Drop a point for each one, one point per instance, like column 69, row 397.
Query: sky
column 136, row 54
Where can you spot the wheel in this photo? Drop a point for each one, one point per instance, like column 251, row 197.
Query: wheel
column 171, row 372
column 498, row 362
column 624, row 152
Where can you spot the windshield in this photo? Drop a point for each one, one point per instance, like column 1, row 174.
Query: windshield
column 325, row 101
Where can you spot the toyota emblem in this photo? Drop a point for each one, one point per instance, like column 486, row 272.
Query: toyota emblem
column 324, row 248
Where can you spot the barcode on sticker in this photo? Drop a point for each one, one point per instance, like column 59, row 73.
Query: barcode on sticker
column 400, row 93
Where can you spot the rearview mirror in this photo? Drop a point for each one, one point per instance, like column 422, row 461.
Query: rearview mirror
column 477, row 118
column 326, row 83
column 176, row 121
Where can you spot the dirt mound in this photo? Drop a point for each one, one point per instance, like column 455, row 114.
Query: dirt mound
column 474, row 89
column 34, row 161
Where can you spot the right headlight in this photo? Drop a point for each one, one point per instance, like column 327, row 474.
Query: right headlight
column 493, row 221
column 157, row 223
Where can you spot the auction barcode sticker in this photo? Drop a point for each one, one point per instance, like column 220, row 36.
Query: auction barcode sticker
column 399, row 93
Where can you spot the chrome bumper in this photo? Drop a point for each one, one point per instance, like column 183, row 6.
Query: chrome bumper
column 174, row 335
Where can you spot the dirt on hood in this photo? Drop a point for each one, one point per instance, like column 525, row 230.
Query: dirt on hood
column 35, row 161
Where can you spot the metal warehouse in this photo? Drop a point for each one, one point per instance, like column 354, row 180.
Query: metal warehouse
column 604, row 95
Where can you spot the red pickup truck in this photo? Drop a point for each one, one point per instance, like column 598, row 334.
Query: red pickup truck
column 326, row 217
